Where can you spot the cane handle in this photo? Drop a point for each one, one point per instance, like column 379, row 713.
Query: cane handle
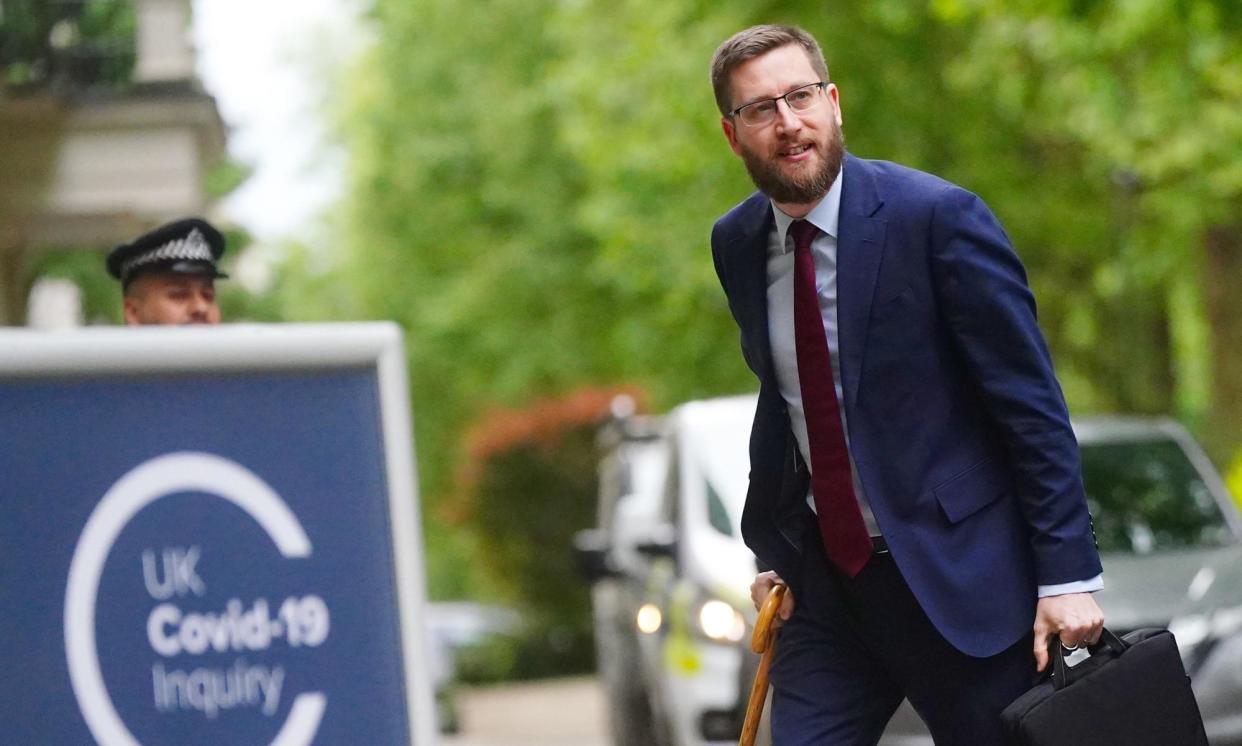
column 763, row 626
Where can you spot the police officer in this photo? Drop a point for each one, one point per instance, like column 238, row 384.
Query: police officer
column 168, row 275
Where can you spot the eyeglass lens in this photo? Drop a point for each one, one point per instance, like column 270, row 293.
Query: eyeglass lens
column 799, row 99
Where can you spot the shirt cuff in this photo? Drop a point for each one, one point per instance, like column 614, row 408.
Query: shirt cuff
column 1078, row 586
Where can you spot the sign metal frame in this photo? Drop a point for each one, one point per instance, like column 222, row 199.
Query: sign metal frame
column 274, row 348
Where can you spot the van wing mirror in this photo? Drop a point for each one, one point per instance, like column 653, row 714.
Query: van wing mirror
column 662, row 542
column 592, row 555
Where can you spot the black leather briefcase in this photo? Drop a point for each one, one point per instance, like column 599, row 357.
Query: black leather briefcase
column 1131, row 691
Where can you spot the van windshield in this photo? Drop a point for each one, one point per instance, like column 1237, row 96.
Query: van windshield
column 1146, row 496
column 724, row 462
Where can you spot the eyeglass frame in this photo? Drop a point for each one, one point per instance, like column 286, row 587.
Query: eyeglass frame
column 822, row 85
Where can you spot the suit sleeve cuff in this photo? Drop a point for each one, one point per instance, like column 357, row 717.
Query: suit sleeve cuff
column 1079, row 586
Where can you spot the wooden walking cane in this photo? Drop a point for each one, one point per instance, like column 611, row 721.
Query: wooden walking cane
column 763, row 641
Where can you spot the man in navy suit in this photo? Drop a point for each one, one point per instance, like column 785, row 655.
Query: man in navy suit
column 914, row 478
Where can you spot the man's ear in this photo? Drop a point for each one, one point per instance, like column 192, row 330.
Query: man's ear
column 730, row 133
column 834, row 96
column 129, row 307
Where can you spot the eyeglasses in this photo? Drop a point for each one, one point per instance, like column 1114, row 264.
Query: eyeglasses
column 759, row 113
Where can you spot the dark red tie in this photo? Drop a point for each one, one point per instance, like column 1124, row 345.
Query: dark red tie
column 846, row 539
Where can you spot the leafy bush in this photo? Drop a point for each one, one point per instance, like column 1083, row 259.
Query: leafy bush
column 528, row 484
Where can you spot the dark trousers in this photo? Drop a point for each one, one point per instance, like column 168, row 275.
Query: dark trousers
column 854, row 648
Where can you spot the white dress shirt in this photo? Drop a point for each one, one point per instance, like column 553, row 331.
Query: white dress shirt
column 826, row 217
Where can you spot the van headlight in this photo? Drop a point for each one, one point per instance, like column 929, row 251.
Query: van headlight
column 649, row 619
column 719, row 621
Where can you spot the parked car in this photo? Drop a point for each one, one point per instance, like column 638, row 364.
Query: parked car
column 1169, row 535
column 1171, row 541
column 452, row 626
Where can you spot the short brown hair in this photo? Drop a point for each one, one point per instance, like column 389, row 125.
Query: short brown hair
column 753, row 42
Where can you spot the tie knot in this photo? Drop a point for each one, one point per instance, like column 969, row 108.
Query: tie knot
column 803, row 234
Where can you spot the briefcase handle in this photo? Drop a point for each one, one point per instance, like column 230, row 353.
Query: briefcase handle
column 1063, row 675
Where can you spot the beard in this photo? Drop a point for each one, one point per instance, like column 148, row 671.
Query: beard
column 801, row 188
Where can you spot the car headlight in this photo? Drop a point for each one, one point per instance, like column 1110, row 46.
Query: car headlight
column 1227, row 621
column 721, row 622
column 1194, row 629
column 649, row 619
column 1189, row 631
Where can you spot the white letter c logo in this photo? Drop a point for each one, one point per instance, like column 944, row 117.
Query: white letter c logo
column 143, row 485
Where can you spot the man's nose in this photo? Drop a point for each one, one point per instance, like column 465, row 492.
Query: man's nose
column 199, row 305
column 786, row 119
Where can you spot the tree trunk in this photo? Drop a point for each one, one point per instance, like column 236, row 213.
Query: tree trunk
column 12, row 286
column 31, row 129
column 1223, row 285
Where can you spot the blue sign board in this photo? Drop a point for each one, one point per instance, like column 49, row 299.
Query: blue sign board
column 209, row 548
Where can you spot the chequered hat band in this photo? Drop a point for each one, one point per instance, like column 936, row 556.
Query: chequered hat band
column 192, row 248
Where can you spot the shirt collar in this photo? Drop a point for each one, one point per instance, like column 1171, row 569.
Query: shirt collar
column 825, row 215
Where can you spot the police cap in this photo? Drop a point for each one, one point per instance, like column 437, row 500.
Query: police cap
column 190, row 246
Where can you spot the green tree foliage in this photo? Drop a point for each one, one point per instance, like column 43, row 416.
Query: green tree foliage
column 84, row 43
column 478, row 227
column 101, row 295
column 1150, row 93
column 533, row 185
column 528, row 484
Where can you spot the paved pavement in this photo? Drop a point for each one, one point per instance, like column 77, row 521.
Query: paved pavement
column 560, row 712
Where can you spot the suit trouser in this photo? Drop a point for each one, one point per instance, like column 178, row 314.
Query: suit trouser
column 854, row 647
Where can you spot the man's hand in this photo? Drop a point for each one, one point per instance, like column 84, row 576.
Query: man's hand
column 760, row 589
column 1075, row 617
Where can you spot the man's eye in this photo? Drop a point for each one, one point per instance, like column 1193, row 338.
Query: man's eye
column 763, row 107
column 799, row 97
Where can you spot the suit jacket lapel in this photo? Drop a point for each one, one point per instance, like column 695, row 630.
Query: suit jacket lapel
column 750, row 251
column 860, row 248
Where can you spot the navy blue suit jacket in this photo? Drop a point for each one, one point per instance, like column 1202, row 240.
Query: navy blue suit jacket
column 957, row 425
